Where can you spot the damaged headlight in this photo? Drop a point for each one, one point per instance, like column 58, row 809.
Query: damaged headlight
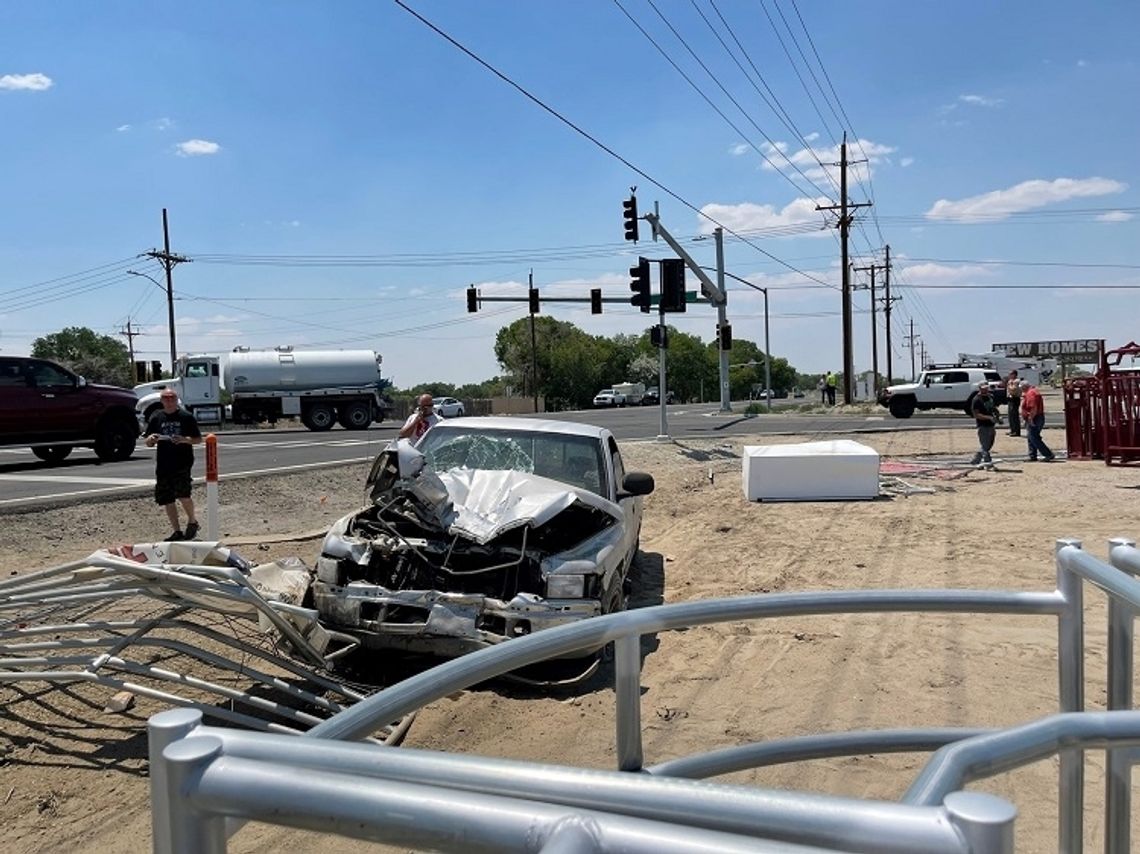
column 565, row 586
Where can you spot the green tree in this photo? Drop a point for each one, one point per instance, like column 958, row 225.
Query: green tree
column 99, row 358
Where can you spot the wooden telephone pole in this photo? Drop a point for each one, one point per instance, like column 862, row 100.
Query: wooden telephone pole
column 844, row 225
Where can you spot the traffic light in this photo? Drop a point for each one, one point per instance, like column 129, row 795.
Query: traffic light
column 659, row 336
column 640, row 284
column 595, row 300
column 156, row 370
column 629, row 207
column 672, row 284
column 472, row 300
column 140, row 372
column 724, row 336
column 533, row 296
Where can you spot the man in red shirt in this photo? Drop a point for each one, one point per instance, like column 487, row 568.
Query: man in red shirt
column 1033, row 414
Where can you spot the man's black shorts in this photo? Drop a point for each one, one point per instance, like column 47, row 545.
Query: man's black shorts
column 171, row 485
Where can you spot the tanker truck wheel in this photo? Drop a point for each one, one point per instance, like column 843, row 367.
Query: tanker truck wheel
column 356, row 415
column 318, row 417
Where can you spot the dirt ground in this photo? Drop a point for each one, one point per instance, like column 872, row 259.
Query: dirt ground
column 73, row 777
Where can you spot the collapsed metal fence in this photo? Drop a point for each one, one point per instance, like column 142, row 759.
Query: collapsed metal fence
column 205, row 781
column 185, row 624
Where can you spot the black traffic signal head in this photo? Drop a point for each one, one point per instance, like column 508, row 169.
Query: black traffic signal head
column 595, row 300
column 724, row 336
column 640, row 284
column 532, row 296
column 659, row 336
column 472, row 300
column 672, row 284
column 629, row 207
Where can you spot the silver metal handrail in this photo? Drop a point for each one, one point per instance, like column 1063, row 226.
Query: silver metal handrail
column 202, row 795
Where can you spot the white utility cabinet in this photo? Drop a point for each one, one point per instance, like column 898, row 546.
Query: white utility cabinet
column 835, row 470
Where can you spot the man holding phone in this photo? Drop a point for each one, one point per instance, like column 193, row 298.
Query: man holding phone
column 420, row 421
column 174, row 432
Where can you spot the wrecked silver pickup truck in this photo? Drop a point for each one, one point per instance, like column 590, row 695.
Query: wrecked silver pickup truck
column 488, row 529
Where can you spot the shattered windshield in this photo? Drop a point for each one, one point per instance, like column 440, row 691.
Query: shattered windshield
column 576, row 460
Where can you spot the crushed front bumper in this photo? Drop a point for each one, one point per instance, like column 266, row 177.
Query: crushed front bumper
column 438, row 623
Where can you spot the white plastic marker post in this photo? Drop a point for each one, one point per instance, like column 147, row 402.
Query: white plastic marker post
column 211, row 487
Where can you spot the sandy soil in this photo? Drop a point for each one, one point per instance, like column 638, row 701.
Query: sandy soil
column 74, row 777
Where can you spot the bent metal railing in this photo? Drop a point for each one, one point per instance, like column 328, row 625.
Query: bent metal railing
column 206, row 780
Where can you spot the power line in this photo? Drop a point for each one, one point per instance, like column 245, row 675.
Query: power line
column 534, row 99
column 736, row 103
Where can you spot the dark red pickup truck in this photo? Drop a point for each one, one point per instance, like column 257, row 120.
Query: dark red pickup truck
column 51, row 410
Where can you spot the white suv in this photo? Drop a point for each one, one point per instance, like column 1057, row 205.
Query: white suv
column 942, row 387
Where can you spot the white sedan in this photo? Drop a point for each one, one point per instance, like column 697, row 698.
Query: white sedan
column 449, row 407
column 488, row 529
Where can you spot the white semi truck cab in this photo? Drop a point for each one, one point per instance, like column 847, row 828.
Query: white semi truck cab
column 321, row 387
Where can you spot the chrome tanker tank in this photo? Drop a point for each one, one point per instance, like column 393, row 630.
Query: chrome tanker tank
column 286, row 369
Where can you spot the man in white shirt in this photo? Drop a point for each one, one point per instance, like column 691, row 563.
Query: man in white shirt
column 420, row 421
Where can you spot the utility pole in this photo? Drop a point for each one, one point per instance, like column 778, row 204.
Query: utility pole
column 533, row 352
column 887, row 303
column 910, row 340
column 168, row 261
column 722, row 322
column 130, row 336
column 874, row 329
column 844, row 224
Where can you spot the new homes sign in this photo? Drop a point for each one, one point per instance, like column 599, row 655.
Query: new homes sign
column 1078, row 350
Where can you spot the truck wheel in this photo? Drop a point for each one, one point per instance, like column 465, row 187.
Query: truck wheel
column 151, row 410
column 319, row 417
column 356, row 415
column 52, row 454
column 115, row 438
column 902, row 407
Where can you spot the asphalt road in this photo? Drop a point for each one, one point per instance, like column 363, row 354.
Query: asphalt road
column 27, row 482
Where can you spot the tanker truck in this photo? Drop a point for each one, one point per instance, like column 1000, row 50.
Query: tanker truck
column 322, row 387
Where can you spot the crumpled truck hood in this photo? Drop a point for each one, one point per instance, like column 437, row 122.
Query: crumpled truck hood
column 488, row 503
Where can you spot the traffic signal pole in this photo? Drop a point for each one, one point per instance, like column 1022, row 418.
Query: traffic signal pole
column 713, row 292
column 722, row 322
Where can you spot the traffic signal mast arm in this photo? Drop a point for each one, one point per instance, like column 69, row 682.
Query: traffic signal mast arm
column 711, row 292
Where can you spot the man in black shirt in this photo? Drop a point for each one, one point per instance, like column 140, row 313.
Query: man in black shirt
column 174, row 432
column 985, row 416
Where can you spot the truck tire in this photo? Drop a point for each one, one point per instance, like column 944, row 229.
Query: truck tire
column 356, row 415
column 902, row 407
column 115, row 438
column 151, row 410
column 318, row 417
column 53, row 454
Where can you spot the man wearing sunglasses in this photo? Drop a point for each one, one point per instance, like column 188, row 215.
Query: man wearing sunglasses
column 420, row 421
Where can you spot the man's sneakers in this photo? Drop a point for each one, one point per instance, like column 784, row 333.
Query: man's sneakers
column 192, row 529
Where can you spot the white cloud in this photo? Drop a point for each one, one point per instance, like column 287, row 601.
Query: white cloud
column 748, row 216
column 123, row 128
column 1115, row 216
column 740, row 148
column 162, row 124
column 944, row 274
column 811, row 137
column 197, row 148
column 818, row 163
column 296, row 223
column 981, row 100
column 26, row 82
column 1025, row 196
column 906, row 161
column 1081, row 63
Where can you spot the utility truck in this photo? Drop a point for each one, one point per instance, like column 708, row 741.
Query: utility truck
column 322, row 387
column 1037, row 371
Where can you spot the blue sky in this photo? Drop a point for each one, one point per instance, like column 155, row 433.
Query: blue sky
column 340, row 173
